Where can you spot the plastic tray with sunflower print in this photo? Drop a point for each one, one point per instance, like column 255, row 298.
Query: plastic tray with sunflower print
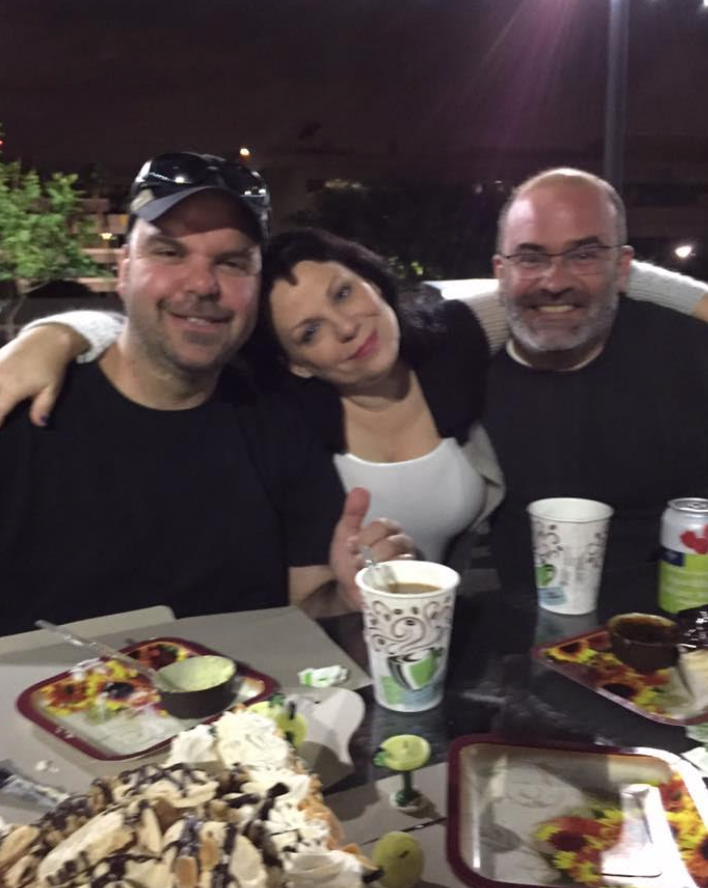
column 112, row 713
column 588, row 659
column 524, row 815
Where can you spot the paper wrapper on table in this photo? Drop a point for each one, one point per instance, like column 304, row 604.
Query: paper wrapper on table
column 408, row 635
column 569, row 536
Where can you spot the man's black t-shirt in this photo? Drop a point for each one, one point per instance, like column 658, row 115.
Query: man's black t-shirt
column 630, row 429
column 117, row 506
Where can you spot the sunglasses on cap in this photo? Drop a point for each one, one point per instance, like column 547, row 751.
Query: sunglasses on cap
column 170, row 174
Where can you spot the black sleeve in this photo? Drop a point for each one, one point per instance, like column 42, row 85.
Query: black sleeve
column 301, row 479
column 453, row 373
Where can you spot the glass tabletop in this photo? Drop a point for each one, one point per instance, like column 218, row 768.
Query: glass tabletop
column 495, row 685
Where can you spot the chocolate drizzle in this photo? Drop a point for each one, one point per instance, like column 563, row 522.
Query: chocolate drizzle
column 115, row 868
column 277, row 789
column 221, row 875
column 180, row 776
column 187, row 843
column 246, row 798
column 195, row 826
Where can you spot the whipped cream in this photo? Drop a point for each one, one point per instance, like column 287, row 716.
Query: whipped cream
column 236, row 738
column 195, row 747
column 334, row 869
column 250, row 739
column 263, row 779
column 290, row 827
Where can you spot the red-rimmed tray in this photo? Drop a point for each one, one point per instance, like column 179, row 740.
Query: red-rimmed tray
column 111, row 713
column 531, row 814
column 588, row 659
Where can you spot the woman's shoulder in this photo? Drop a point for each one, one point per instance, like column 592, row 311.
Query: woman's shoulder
column 456, row 344
column 452, row 370
column 442, row 330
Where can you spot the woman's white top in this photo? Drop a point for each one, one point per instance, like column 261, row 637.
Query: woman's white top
column 434, row 497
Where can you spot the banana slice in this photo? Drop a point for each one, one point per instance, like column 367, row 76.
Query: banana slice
column 92, row 843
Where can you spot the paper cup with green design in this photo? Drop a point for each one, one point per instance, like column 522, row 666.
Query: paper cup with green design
column 569, row 537
column 407, row 632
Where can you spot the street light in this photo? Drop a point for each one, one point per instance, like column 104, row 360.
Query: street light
column 685, row 251
column 616, row 91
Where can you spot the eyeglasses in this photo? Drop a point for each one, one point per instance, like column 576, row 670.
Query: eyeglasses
column 587, row 260
column 167, row 173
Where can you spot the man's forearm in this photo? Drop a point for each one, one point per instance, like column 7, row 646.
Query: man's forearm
column 327, row 601
column 315, row 591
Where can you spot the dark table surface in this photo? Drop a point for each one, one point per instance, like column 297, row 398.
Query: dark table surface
column 494, row 685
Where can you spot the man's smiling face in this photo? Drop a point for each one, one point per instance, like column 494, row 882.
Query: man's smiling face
column 561, row 315
column 190, row 286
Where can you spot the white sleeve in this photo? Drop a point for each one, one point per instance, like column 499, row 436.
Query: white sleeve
column 490, row 313
column 646, row 282
column 669, row 288
column 99, row 328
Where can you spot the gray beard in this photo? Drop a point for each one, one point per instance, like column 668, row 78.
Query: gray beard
column 585, row 338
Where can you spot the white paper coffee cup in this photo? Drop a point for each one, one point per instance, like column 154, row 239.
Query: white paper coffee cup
column 408, row 635
column 569, row 536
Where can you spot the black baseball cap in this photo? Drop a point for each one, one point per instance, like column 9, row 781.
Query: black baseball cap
column 168, row 179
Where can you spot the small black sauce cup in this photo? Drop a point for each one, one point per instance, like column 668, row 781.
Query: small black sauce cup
column 204, row 701
column 645, row 642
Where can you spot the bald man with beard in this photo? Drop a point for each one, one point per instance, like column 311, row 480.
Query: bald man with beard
column 596, row 395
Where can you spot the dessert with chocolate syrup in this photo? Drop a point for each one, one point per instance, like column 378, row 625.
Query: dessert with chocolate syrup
column 233, row 806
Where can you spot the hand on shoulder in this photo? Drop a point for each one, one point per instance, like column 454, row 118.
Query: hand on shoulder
column 33, row 366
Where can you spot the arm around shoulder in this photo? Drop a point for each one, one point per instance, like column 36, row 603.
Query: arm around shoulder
column 33, row 366
column 484, row 303
column 668, row 288
column 95, row 330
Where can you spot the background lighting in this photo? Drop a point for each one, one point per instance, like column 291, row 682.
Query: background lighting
column 685, row 251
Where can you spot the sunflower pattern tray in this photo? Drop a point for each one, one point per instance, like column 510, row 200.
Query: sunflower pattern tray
column 565, row 815
column 588, row 659
column 111, row 712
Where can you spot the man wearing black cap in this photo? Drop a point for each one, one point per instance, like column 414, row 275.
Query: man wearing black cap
column 165, row 477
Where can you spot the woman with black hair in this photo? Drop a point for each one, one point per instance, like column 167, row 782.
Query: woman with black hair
column 394, row 388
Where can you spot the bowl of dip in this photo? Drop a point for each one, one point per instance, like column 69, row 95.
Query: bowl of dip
column 197, row 687
column 645, row 642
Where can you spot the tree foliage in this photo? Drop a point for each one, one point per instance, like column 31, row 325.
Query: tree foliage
column 427, row 231
column 41, row 232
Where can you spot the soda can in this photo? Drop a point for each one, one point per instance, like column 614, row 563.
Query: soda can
column 683, row 568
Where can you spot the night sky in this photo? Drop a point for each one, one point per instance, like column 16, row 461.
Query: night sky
column 114, row 81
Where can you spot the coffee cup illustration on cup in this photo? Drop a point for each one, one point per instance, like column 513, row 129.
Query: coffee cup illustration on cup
column 545, row 574
column 416, row 670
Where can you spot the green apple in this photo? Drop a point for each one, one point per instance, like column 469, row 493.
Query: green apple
column 294, row 727
column 401, row 859
column 404, row 752
column 266, row 708
column 290, row 722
